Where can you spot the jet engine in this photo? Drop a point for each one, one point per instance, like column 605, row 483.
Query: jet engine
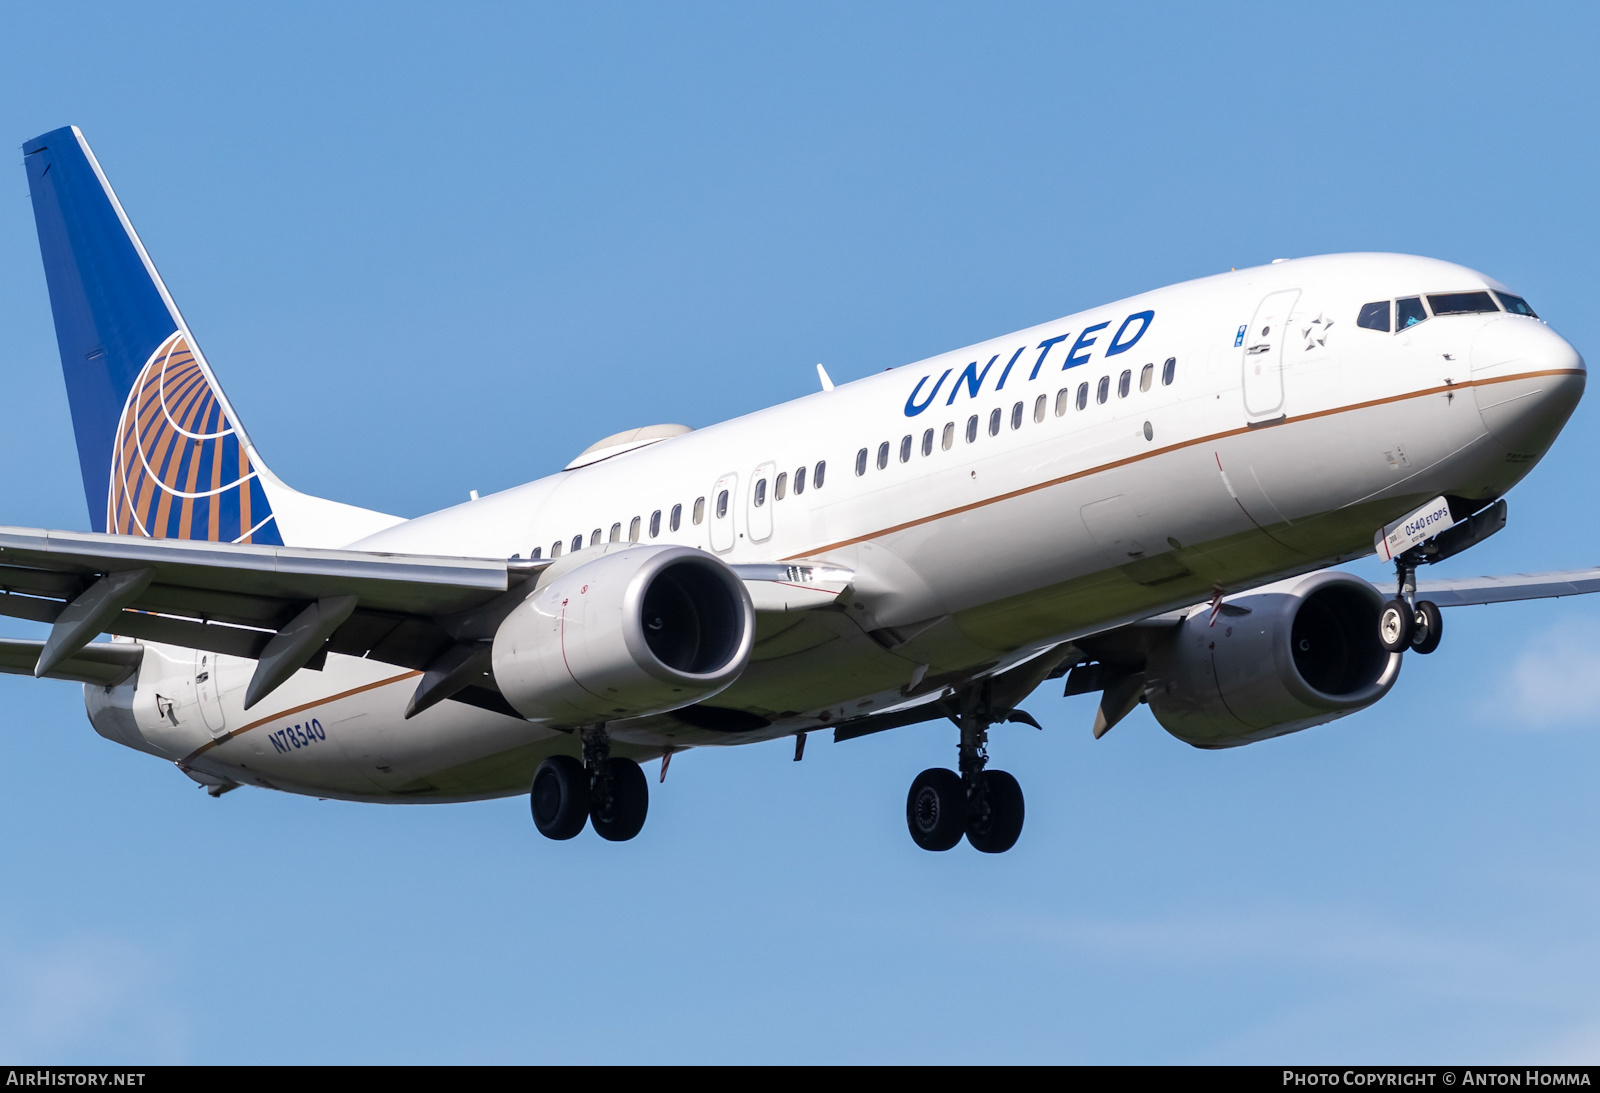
column 624, row 633
column 1274, row 661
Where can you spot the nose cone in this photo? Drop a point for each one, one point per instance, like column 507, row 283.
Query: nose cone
column 1527, row 380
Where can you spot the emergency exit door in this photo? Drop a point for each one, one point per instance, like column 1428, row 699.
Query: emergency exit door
column 722, row 509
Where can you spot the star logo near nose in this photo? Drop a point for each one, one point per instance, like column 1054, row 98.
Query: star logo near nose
column 1316, row 332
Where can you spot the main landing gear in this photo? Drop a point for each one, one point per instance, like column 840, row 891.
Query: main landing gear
column 612, row 794
column 1406, row 622
column 984, row 805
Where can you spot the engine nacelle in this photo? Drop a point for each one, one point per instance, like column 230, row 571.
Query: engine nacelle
column 1306, row 653
column 617, row 633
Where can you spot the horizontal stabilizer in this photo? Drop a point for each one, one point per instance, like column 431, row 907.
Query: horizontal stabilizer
column 103, row 664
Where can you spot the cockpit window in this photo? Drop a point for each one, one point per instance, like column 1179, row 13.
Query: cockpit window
column 1374, row 316
column 1409, row 312
column 1516, row 305
column 1461, row 303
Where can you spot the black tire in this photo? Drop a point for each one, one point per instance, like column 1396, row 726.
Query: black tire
column 936, row 809
column 559, row 797
column 1396, row 623
column 1428, row 629
column 630, row 802
column 994, row 828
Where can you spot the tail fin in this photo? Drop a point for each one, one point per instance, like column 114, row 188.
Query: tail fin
column 163, row 454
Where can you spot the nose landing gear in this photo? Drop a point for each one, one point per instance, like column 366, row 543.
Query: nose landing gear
column 1406, row 622
column 610, row 793
column 984, row 805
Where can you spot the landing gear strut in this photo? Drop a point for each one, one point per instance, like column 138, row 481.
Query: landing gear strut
column 611, row 793
column 985, row 805
column 1406, row 622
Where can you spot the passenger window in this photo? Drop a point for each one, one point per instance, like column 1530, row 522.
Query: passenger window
column 1374, row 316
column 883, row 455
column 927, row 442
column 1124, row 382
column 677, row 518
column 1063, row 400
column 722, row 505
column 633, row 530
column 800, row 480
column 1083, row 395
column 1516, row 305
column 1146, row 376
column 994, row 421
column 1409, row 312
column 819, row 474
column 972, row 428
column 536, row 553
column 655, row 523
column 1103, row 392
column 616, row 532
column 949, row 436
column 781, row 486
column 1038, row 408
column 861, row 462
column 761, row 492
column 577, row 542
column 1461, row 303
column 1016, row 416
column 594, row 536
column 555, row 549
column 905, row 448
column 699, row 510
column 1169, row 371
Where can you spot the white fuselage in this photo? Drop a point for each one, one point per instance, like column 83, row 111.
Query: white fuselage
column 1008, row 514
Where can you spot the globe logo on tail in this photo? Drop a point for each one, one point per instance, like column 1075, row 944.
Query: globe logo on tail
column 178, row 470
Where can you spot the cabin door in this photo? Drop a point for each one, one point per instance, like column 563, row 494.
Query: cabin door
column 1263, row 355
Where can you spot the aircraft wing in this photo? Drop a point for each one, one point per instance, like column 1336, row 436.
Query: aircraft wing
column 1112, row 661
column 287, row 607
column 1466, row 591
column 234, row 598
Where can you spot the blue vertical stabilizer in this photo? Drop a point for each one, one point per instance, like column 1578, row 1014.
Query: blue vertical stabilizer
column 159, row 447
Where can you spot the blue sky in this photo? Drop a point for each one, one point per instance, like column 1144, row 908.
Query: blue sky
column 439, row 248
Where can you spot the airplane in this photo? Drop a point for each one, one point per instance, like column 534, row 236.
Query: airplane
column 1142, row 500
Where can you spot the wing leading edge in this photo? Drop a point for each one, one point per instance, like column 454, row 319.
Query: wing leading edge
column 288, row 607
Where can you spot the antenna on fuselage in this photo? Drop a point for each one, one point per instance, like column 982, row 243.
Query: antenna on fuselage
column 822, row 374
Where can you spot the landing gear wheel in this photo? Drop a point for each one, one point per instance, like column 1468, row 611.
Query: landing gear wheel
column 630, row 801
column 994, row 825
column 1396, row 623
column 560, row 797
column 1428, row 627
column 936, row 809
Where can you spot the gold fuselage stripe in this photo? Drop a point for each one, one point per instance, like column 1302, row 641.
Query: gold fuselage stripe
column 209, row 744
column 1198, row 441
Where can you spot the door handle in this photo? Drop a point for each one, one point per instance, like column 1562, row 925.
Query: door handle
column 1254, row 349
